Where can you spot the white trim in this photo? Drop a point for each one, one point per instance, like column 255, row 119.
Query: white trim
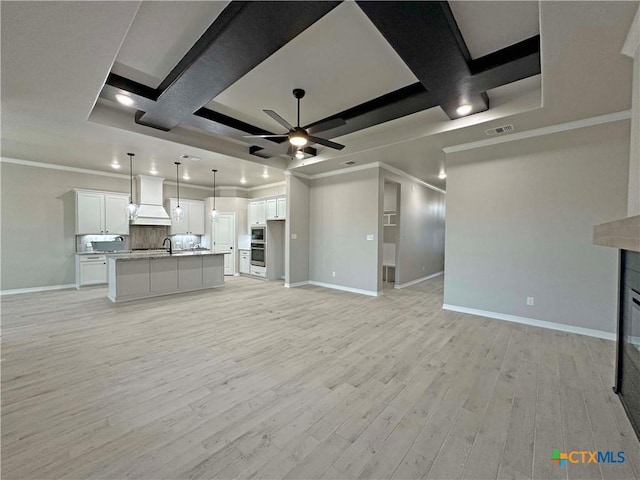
column 296, row 284
column 402, row 173
column 532, row 322
column 53, row 166
column 417, row 280
column 371, row 293
column 537, row 132
column 269, row 185
column 632, row 43
column 17, row 291
column 184, row 184
column 298, row 174
column 366, row 166
column 343, row 171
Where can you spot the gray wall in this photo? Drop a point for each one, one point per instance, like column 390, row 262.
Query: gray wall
column 38, row 223
column 520, row 218
column 296, row 262
column 420, row 249
column 344, row 209
column 633, row 203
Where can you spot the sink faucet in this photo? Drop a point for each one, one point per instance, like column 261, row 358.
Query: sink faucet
column 165, row 241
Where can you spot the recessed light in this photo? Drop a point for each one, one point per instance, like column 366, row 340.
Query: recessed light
column 464, row 109
column 186, row 177
column 124, row 99
column 243, row 180
column 153, row 171
column 265, row 175
column 442, row 176
column 115, row 165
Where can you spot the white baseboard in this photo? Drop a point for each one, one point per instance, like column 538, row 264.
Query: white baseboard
column 296, row 284
column 17, row 291
column 417, row 280
column 371, row 293
column 533, row 322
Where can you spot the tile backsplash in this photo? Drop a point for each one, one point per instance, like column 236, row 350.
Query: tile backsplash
column 147, row 236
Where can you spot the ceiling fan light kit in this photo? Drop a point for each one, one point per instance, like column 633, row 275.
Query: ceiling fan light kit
column 299, row 136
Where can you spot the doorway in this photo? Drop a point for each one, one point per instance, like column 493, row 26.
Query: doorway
column 390, row 233
column 224, row 239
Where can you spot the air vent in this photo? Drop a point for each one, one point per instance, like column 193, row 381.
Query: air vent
column 500, row 130
column 348, row 163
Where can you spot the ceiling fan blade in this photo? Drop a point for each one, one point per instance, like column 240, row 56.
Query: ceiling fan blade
column 279, row 119
column 325, row 142
column 328, row 125
column 265, row 136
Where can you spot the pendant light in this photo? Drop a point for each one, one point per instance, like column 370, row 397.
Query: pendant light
column 213, row 214
column 178, row 212
column 132, row 208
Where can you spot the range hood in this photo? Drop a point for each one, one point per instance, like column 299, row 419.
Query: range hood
column 151, row 211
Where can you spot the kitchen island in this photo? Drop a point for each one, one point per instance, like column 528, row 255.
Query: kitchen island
column 143, row 275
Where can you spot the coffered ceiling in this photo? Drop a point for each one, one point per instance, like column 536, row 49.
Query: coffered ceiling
column 200, row 74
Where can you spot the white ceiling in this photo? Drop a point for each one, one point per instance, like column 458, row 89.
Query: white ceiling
column 56, row 56
column 341, row 61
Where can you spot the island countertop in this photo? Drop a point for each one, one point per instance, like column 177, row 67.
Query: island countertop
column 151, row 255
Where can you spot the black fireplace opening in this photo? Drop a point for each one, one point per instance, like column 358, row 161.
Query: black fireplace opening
column 628, row 346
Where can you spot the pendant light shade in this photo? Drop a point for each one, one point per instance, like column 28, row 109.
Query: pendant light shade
column 178, row 213
column 132, row 208
column 213, row 214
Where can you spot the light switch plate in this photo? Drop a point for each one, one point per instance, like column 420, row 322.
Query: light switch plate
column 369, row 237
column 294, row 236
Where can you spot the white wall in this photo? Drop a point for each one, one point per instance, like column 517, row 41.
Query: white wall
column 267, row 191
column 344, row 209
column 520, row 218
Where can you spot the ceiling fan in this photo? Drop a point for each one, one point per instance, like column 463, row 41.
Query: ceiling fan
column 299, row 137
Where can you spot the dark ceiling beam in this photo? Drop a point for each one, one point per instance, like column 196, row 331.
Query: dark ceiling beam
column 516, row 62
column 243, row 36
column 425, row 35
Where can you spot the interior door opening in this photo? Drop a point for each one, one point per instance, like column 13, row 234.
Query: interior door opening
column 391, row 230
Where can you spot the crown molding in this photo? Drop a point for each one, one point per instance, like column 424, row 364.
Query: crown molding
column 402, row 173
column 632, row 43
column 537, row 132
column 344, row 171
column 65, row 168
column 52, row 166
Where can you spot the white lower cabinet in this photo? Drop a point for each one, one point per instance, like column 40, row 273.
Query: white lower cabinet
column 245, row 261
column 258, row 271
column 91, row 270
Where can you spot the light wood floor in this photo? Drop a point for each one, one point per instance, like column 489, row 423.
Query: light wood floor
column 258, row 381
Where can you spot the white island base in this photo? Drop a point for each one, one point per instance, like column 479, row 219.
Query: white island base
column 136, row 276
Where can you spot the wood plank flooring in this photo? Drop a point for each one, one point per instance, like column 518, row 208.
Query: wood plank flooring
column 257, row 381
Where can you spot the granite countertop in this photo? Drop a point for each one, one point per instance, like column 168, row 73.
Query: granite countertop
column 623, row 234
column 151, row 255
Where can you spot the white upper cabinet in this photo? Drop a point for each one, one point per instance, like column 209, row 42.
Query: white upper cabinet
column 115, row 217
column 196, row 217
column 282, row 208
column 101, row 213
column 277, row 208
column 193, row 222
column 257, row 214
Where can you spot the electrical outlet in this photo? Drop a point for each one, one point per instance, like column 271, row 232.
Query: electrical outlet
column 333, row 274
column 530, row 301
column 369, row 237
column 294, row 236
